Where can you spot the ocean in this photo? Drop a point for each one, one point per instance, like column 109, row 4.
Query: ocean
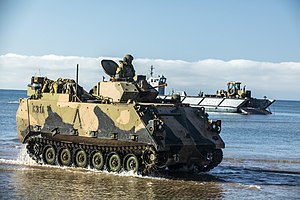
column 261, row 161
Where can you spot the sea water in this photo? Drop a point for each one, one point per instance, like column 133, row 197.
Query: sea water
column 261, row 161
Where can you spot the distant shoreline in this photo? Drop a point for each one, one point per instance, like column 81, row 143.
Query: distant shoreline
column 13, row 89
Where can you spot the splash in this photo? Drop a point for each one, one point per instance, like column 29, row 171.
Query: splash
column 24, row 157
column 11, row 162
column 250, row 187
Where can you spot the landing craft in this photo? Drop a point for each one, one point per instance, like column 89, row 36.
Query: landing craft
column 118, row 126
column 232, row 100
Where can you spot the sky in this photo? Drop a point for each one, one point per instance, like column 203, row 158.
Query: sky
column 196, row 44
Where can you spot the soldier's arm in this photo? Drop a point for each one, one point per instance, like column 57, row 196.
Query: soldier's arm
column 120, row 71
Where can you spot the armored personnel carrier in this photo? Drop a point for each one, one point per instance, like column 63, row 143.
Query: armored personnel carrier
column 118, row 125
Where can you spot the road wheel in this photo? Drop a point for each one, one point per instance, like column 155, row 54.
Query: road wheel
column 64, row 157
column 131, row 163
column 97, row 161
column 81, row 158
column 49, row 155
column 114, row 163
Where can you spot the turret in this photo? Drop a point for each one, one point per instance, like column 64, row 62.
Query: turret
column 123, row 89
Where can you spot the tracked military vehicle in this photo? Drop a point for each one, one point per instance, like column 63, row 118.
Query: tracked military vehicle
column 118, row 125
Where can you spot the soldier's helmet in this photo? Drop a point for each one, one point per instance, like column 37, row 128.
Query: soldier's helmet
column 128, row 58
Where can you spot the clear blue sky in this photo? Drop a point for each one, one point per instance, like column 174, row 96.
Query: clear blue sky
column 191, row 30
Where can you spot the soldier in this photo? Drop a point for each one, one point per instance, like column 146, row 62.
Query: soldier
column 126, row 69
column 46, row 86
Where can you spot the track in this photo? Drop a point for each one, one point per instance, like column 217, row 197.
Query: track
column 140, row 159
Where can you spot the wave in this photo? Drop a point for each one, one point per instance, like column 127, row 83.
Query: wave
column 251, row 187
column 14, row 139
column 13, row 102
column 33, row 165
column 262, row 160
column 11, row 162
column 230, row 170
column 273, row 171
column 23, row 159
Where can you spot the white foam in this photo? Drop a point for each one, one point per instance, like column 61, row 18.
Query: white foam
column 250, row 187
column 254, row 187
column 11, row 162
column 13, row 102
column 24, row 158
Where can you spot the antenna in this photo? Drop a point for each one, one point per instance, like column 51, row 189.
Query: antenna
column 151, row 71
column 40, row 71
column 77, row 80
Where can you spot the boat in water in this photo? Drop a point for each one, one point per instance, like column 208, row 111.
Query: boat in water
column 233, row 100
